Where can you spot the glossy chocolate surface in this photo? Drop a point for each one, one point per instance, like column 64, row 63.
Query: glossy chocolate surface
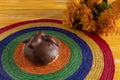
column 41, row 49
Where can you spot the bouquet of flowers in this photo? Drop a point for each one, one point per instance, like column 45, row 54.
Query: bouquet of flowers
column 90, row 15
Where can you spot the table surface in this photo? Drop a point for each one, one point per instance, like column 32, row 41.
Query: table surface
column 12, row 11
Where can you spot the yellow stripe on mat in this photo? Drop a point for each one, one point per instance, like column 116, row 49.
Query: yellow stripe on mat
column 98, row 62
column 30, row 25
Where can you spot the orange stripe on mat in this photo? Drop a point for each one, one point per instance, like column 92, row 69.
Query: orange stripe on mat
column 56, row 65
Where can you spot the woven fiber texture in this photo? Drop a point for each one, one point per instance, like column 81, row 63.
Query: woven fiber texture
column 60, row 61
column 85, row 55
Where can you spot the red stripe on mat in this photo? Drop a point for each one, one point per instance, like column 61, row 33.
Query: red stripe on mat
column 27, row 22
column 109, row 66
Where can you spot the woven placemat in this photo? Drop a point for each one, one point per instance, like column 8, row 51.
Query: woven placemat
column 89, row 59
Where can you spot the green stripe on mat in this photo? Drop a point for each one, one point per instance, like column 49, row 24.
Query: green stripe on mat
column 17, row 74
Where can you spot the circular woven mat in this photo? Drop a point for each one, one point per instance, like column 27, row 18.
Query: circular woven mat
column 82, row 55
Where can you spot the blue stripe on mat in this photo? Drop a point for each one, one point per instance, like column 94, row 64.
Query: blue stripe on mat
column 87, row 58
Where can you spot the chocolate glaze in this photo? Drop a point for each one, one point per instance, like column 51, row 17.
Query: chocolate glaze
column 41, row 49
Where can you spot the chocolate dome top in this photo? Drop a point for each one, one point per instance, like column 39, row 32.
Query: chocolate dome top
column 41, row 49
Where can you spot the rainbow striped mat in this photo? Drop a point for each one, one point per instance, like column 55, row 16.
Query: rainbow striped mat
column 82, row 56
